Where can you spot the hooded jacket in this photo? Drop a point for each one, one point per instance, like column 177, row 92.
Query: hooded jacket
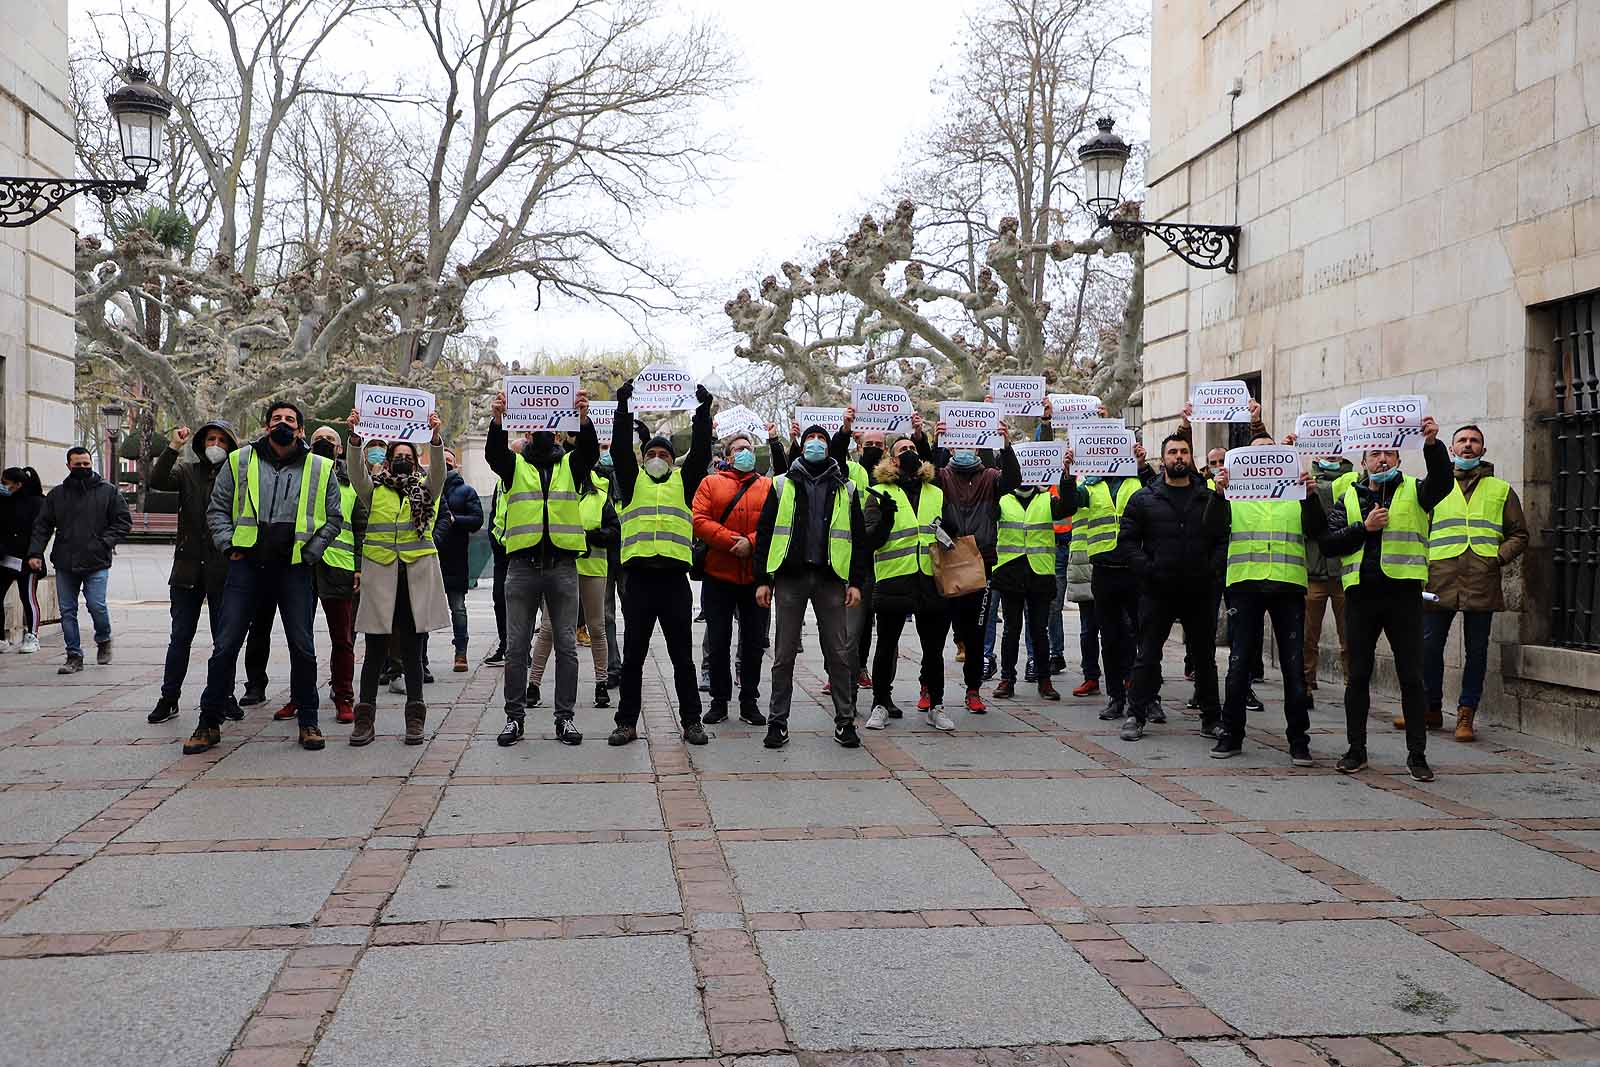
column 197, row 563
column 459, row 518
column 88, row 519
column 907, row 593
column 716, row 492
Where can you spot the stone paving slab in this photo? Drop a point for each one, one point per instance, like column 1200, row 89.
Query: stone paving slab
column 1386, row 746
column 763, row 804
column 118, row 725
column 876, row 875
column 45, row 697
column 531, row 1002
column 533, row 881
column 175, row 1009
column 84, row 763
column 1567, row 945
column 285, row 759
column 175, row 892
column 1523, row 796
column 29, row 816
column 884, row 989
column 1004, row 802
column 1364, row 976
column 1153, row 871
column 805, row 752
column 1453, row 864
column 1589, row 839
column 266, row 812
column 535, row 755
column 1306, row 797
column 488, row 809
column 1179, row 745
column 9, row 865
column 940, row 753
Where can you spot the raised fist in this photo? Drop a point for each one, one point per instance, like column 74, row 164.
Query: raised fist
column 625, row 391
column 702, row 394
column 179, row 436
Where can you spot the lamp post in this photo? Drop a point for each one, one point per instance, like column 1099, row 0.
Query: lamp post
column 140, row 112
column 111, row 414
column 1104, row 157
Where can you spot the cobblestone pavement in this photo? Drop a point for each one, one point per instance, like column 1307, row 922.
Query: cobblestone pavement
column 1027, row 890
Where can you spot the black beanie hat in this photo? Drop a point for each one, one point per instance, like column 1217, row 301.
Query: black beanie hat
column 661, row 441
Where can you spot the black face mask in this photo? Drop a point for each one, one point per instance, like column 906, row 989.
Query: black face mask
column 323, row 448
column 81, row 474
column 400, row 467
column 871, row 456
column 282, row 434
column 1178, row 470
column 909, row 462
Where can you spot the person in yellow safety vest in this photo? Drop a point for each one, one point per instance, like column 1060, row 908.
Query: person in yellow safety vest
column 1323, row 587
column 870, row 443
column 402, row 587
column 807, row 535
column 1477, row 531
column 543, row 538
column 1380, row 528
column 497, row 547
column 657, row 532
column 1025, row 576
column 1266, row 575
column 600, row 530
column 274, row 510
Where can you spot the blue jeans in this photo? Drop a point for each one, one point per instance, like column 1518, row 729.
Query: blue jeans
column 93, row 586
column 186, row 605
column 247, row 580
column 991, row 615
column 1435, row 631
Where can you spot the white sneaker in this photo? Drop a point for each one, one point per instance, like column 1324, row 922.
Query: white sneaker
column 879, row 717
column 938, row 719
column 30, row 644
column 397, row 684
column 5, row 646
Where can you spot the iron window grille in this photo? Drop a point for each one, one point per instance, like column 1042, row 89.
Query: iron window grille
column 1575, row 481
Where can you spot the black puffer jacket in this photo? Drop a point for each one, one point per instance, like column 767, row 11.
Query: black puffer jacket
column 1169, row 545
column 453, row 532
column 196, row 561
column 88, row 519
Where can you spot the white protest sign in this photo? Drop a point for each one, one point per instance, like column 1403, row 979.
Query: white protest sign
column 389, row 413
column 1264, row 472
column 1106, row 450
column 1040, row 461
column 739, row 420
column 1220, row 402
column 830, row 419
column 603, row 413
column 539, row 403
column 660, row 387
column 1383, row 423
column 968, row 425
column 1069, row 407
column 881, row 407
column 1319, row 435
column 1017, row 394
column 1097, row 424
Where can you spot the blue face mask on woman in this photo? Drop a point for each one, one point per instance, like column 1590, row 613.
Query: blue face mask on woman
column 744, row 461
column 1384, row 477
column 815, row 450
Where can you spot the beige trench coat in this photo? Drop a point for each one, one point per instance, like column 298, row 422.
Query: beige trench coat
column 424, row 582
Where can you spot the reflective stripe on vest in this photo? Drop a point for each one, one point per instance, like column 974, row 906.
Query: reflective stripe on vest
column 839, row 545
column 341, row 555
column 390, row 532
column 1479, row 522
column 1404, row 548
column 1027, row 532
column 1102, row 520
column 911, row 539
column 591, row 512
column 1267, row 543
column 311, row 510
column 656, row 521
column 533, row 508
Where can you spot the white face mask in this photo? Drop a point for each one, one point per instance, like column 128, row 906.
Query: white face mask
column 216, row 453
column 656, row 467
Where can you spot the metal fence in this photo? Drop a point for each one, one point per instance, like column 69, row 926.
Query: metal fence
column 1575, row 479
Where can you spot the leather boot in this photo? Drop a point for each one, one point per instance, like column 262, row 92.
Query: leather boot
column 1464, row 716
column 363, row 732
column 416, row 716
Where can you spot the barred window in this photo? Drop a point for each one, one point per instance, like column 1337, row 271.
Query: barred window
column 1575, row 480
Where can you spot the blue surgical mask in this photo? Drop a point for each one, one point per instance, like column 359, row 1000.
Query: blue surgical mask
column 816, row 450
column 1092, row 479
column 1329, row 465
column 1464, row 464
column 1384, row 477
column 376, row 456
column 965, row 457
column 605, row 460
column 744, row 461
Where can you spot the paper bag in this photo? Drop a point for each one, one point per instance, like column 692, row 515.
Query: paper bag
column 958, row 571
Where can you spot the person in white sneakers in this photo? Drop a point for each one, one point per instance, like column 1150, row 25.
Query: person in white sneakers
column 21, row 497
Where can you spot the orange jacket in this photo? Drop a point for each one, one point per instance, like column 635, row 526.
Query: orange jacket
column 710, row 501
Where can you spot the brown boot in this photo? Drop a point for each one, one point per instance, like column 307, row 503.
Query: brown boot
column 1464, row 716
column 1400, row 721
column 363, row 733
column 1435, row 719
column 416, row 716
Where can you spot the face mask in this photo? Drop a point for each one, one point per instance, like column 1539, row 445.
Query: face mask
column 1093, row 479
column 1178, row 470
column 80, row 474
column 656, row 467
column 871, row 456
column 1329, row 465
column 216, row 453
column 965, row 458
column 1384, row 477
column 910, row 463
column 374, row 456
column 282, row 434
column 323, row 448
column 400, row 467
column 1464, row 464
column 816, row 451
column 5, row 490
column 605, row 461
column 744, row 461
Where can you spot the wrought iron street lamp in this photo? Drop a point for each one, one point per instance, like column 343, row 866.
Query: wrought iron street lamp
column 140, row 112
column 1104, row 157
column 111, row 416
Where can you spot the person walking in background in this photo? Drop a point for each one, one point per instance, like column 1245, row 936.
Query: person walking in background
column 88, row 519
column 1323, row 587
column 199, row 566
column 727, row 509
column 402, row 590
column 1478, row 530
column 460, row 516
column 600, row 530
column 21, row 499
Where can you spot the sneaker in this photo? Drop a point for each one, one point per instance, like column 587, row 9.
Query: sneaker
column 696, row 735
column 622, row 735
column 311, row 739
column 1227, row 747
column 1419, row 769
column 566, row 732
column 777, row 735
column 344, row 712
column 1086, row 688
column 975, row 703
column 1058, row 664
column 1047, row 691
column 924, row 702
column 1029, row 674
column 534, row 699
column 1112, row 712
column 73, row 665
column 879, row 717
column 1006, row 689
column 102, row 654
column 461, row 662
column 991, row 667
column 827, row 688
column 1351, row 762
column 845, row 734
column 1300, row 755
column 1132, row 728
column 253, row 696
column 938, row 719
column 893, row 709
column 705, row 680
column 752, row 715
column 30, row 644
column 1252, row 703
column 602, row 695
column 427, row 676
column 285, row 712
column 863, row 680
column 165, row 709
column 233, row 711
column 397, row 684
column 204, row 739
column 497, row 658
column 510, row 734
column 1156, row 713
column 718, row 712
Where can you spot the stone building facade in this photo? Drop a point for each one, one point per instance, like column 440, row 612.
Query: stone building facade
column 1418, row 183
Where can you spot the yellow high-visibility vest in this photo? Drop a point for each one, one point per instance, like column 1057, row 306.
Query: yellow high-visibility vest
column 1101, row 522
column 1404, row 548
column 1479, row 523
column 342, row 553
column 1027, row 532
column 839, row 546
column 1267, row 542
column 391, row 534
column 656, row 521
column 529, row 500
column 591, row 512
column 910, row 543
column 310, row 513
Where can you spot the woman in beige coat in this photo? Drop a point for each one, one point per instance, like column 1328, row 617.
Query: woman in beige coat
column 402, row 589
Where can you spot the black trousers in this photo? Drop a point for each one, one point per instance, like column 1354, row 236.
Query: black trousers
column 1036, row 604
column 966, row 619
column 723, row 601
column 1286, row 605
column 1159, row 607
column 655, row 595
column 933, row 625
column 258, row 646
column 1116, row 605
column 500, row 566
column 400, row 640
column 1395, row 611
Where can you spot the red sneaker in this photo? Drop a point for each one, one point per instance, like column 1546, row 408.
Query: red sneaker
column 1086, row 688
column 285, row 712
column 864, row 680
column 975, row 702
column 344, row 711
column 923, row 701
column 827, row 687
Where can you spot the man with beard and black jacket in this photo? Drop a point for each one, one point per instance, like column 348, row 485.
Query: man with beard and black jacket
column 809, row 527
column 88, row 518
column 199, row 567
column 1175, row 558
